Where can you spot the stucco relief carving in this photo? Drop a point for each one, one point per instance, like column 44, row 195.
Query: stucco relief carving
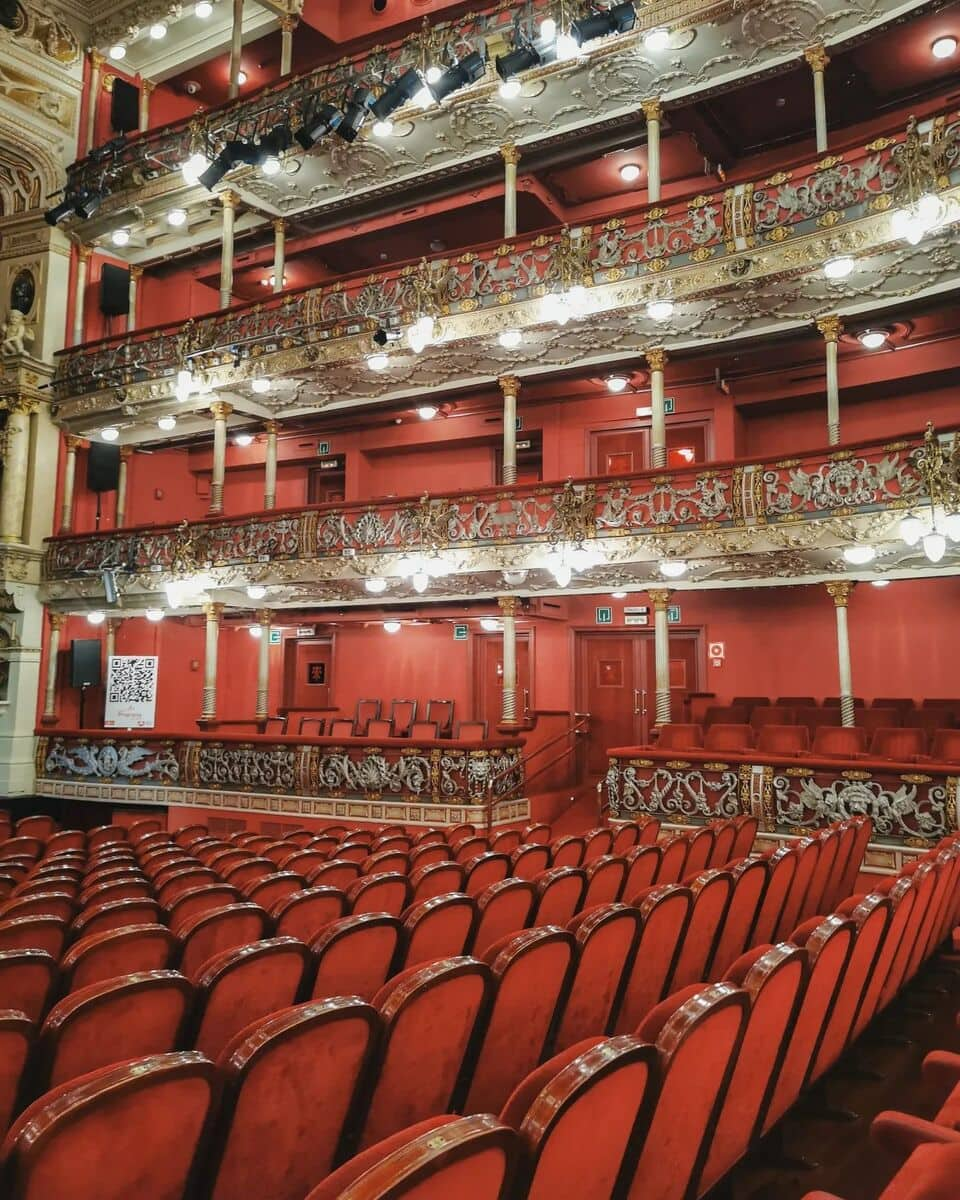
column 44, row 33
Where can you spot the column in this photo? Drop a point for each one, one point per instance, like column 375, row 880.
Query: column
column 146, row 90
column 16, row 462
column 111, row 625
column 80, row 292
column 831, row 328
column 125, row 454
column 93, row 98
column 510, row 386
column 263, row 663
column 279, row 252
column 236, row 48
column 508, row 710
column 49, row 715
column 72, row 444
column 840, row 594
column 228, row 200
column 511, row 156
column 661, row 653
column 221, row 410
column 270, row 467
column 135, row 273
column 653, row 111
column 213, row 613
column 656, row 361
column 817, row 59
column 287, row 26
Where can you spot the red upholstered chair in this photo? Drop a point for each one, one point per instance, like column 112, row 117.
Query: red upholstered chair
column 355, row 852
column 432, row 1015
column 43, row 904
column 403, row 715
column 172, row 884
column 116, row 889
column 244, row 984
column 750, row 878
column 38, row 826
column 392, row 840
column 580, row 1124
column 775, row 984
column 606, row 941
column 664, row 913
column 538, row 832
column 567, row 851
column 698, row 1047
column 355, row 955
column 904, row 745
column 901, row 703
column 560, row 892
column 502, row 908
column 823, row 874
column 366, row 711
column 226, row 859
column 16, row 1037
column 673, row 858
column 643, row 864
column 471, row 731
column 242, row 873
column 139, row 829
column 302, row 862
column 763, row 715
column 700, row 850
column 680, row 737
column 850, row 869
column 188, row 834
column 271, row 889
column 341, row 727
column 379, row 893
column 440, row 712
column 729, row 714
column 34, row 933
column 839, row 742
column 815, row 717
column 828, row 949
column 437, row 880
column 596, row 843
column 211, row 933
column 28, row 981
column 924, row 880
column 505, row 841
column 724, row 836
column 728, row 737
column 711, row 893
column 470, row 847
column 441, row 927
column 946, row 746
column 528, row 860
column 606, row 877
column 379, row 727
column 808, row 854
column 797, row 701
column 299, row 837
column 427, row 853
column 292, row 1080
column 485, row 869
column 626, row 835
column 111, row 1021
column 385, row 862
column 473, row 1158
column 338, row 873
column 930, row 1173
column 29, row 847
column 142, row 1127
column 200, row 900
column 786, row 740
column 118, row 952
column 306, row 913
column 65, row 839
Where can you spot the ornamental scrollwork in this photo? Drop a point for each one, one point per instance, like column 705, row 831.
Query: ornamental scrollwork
column 842, row 482
column 899, row 810
column 672, row 792
column 133, row 763
column 268, row 768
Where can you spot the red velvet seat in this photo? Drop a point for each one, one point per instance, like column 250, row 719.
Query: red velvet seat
column 172, row 884
column 379, row 893
column 117, row 952
column 441, row 927
column 143, row 827
column 34, row 933
column 111, row 1021
column 505, row 841
column 783, row 740
column 711, row 893
column 432, row 1015
column 211, row 933
column 763, row 715
column 930, row 1173
column 437, row 879
column 848, row 871
column 28, row 981
column 728, row 737
column 135, row 1129
column 338, row 873
column 839, row 742
column 529, row 860
column 271, row 889
column 225, row 859
column 386, row 862
column 242, row 873
column 532, row 971
column 470, row 847
column 502, row 908
column 606, row 877
column 560, row 892
column 664, row 912
column 64, row 840
column 42, row 904
column 491, row 867
column 16, row 1038
column 187, row 834
column 870, row 720
column 924, row 880
column 606, row 942
column 29, row 847
column 698, row 1046
column 292, row 1080
column 355, row 955
column 680, row 737
column 200, row 900
column 808, row 855
column 596, row 843
column 822, row 876
column 643, row 864
column 305, row 914
column 750, row 878
column 700, row 848
column 673, row 859
column 814, row 717
column 471, row 1158
column 38, row 825
column 724, row 837
column 116, row 889
column 946, row 746
column 900, row 744
column 726, row 714
column 567, row 851
column 626, row 835
column 246, row 983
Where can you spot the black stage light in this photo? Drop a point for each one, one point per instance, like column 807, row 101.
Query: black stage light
column 59, row 212
column 521, row 59
column 323, row 119
column 621, row 18
column 274, row 143
column 214, row 173
column 355, row 113
column 239, row 151
column 397, row 93
column 86, row 203
column 467, row 70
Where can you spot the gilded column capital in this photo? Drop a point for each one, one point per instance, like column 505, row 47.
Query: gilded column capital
column 271, row 427
column 96, row 58
column 57, row 621
column 279, row 224
column 147, row 86
column 657, row 358
column 213, row 612
column 126, row 453
column 72, row 443
column 510, row 154
column 229, row 198
column 113, row 623
column 221, row 409
column 84, row 252
column 509, row 385
column 817, row 57
column 19, row 403
column 508, row 605
column 136, row 272
column 263, row 616
column 840, row 591
column 652, row 109
column 289, row 23
column 659, row 598
column 830, row 326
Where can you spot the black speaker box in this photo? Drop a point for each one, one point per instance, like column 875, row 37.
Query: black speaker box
column 85, row 662
column 124, row 107
column 103, row 467
column 114, row 291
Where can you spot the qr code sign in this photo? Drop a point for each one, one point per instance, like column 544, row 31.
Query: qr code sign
column 131, row 691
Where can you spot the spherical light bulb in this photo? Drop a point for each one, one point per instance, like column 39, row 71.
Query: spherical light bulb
column 241, row 77
column 509, row 339
column 934, row 546
column 375, row 585
column 118, row 52
column 167, row 423
column 944, row 47
column 420, row 581
column 511, row 88
column 120, row 237
column 426, row 412
column 838, row 268
column 382, row 129
column 617, row 383
column 177, row 217
column 860, row 554
column 660, row 310
column 256, row 631
column 96, row 618
column 490, row 624
column 377, row 362
column 204, row 9
column 158, row 30
column 630, row 172
column 567, row 48
column 154, row 614
column 391, row 626
column 657, row 40
column 562, row 574
column 110, row 434
column 260, row 385
column 673, row 568
column 256, row 591
column 244, row 439
column 873, row 339
column 912, row 530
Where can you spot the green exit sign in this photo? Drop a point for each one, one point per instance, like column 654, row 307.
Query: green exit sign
column 673, row 613
column 669, row 405
column 461, row 633
column 605, row 615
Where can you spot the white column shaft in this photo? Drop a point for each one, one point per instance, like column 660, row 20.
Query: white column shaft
column 69, row 484
column 209, row 709
column 236, row 48
column 270, row 471
column 16, row 462
column 820, row 111
column 653, row 159
column 226, row 256
column 93, row 100
column 658, row 420
column 286, row 48
column 132, row 303
column 50, row 687
column 219, row 463
column 279, row 255
column 79, row 298
column 122, row 491
column 833, row 395
column 144, row 113
column 847, row 711
column 263, row 671
column 510, row 200
column 509, row 689
column 661, row 651
column 509, row 437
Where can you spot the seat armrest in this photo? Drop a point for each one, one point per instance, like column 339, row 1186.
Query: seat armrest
column 941, row 1071
column 899, row 1134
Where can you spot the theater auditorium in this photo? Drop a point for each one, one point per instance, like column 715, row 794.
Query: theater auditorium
column 479, row 578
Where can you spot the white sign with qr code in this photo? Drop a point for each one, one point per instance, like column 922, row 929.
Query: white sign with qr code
column 131, row 701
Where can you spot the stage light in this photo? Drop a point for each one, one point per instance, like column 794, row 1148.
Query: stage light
column 271, row 165
column 324, row 119
column 657, row 40
column 522, row 58
column 260, row 385
column 375, row 585
column 873, row 339
column 617, row 383
column 510, row 89
column 468, row 70
column 859, row 555
column 880, row 582
column 158, row 31
column 391, row 626
column 109, row 580
column 562, row 574
column 509, row 339
column 256, row 591
column 433, row 73
column 620, row 18
column 213, row 173
column 204, row 9
column 86, row 203
column 194, row 167
column 619, row 595
column 838, row 268
column 240, row 151
column 944, row 47
column 60, row 212
column 660, row 310
column 354, row 114
column 420, row 581
column 167, row 424
column 120, row 237
column 241, row 78
column 154, row 614
column 630, row 172
column 426, row 412
column 673, row 568
column 490, row 625
column 382, row 129
column 110, row 434
column 243, row 439
column 397, row 93
column 118, row 52
column 177, row 217
column 256, row 631
column 96, row 617
column 377, row 362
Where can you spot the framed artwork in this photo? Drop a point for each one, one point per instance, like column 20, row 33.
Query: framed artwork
column 316, row 673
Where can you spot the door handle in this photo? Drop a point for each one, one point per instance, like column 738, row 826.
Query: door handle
column 637, row 703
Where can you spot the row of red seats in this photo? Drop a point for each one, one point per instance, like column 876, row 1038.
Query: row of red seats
column 900, row 704
column 304, row 1085
column 930, row 1173
column 895, row 744
column 928, row 719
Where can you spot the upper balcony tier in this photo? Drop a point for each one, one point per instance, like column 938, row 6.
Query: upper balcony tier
column 741, row 261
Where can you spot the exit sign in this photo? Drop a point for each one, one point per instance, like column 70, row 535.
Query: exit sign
column 605, row 615
column 276, row 637
column 669, row 405
column 323, row 448
column 673, row 613
column 461, row 633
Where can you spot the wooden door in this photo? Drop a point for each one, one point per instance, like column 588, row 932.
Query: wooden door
column 488, row 676
column 307, row 673
column 620, row 451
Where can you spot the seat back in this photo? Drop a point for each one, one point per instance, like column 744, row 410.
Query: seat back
column 403, row 713
column 677, row 736
column 484, row 869
column 626, row 835
column 722, row 737
column 355, row 955
column 28, row 980
column 529, row 860
column 379, row 727
column 606, row 877
column 199, row 900
column 441, row 927
column 366, row 711
column 763, row 715
column 822, row 876
column 337, row 872
column 750, row 878
column 437, row 879
column 851, row 868
column 643, row 864
column 34, row 933
column 664, row 913
column 560, row 893
column 700, row 849
column 16, row 1038
column 305, row 913
column 441, row 713
column 946, row 746
column 606, row 943
column 839, row 741
column 901, row 744
column 783, row 739
column 567, row 851
column 924, row 880
column 808, row 854
column 502, row 908
column 471, row 731
column 118, row 952
column 211, row 933
column 724, row 836
column 726, row 714
column 711, row 896
column 388, row 893
column 673, row 858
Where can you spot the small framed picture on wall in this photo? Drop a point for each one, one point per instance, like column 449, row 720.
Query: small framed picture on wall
column 316, row 673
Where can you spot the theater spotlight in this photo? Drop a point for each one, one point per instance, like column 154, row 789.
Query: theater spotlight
column 355, row 113
column 619, row 18
column 213, row 174
column 468, row 70
column 59, row 212
column 397, row 93
column 384, row 336
column 86, row 203
column 109, row 579
column 522, row 58
column 239, row 151
column 322, row 119
column 276, row 142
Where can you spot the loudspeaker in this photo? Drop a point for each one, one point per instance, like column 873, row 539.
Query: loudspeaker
column 124, row 107
column 85, row 662
column 114, row 291
column 103, row 467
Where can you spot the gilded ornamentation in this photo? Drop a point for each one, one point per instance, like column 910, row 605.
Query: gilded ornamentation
column 939, row 469
column 817, row 58
column 132, row 762
column 831, row 327
column 839, row 591
column 682, row 794
column 899, row 810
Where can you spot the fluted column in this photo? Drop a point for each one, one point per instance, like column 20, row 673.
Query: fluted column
column 817, row 59
column 270, row 466
column 659, row 598
column 653, row 112
column 831, row 328
column 511, row 156
column 840, row 594
column 49, row 715
column 16, row 464
column 126, row 453
column 93, row 98
column 236, row 48
column 110, row 626
column 80, row 292
column 279, row 252
column 657, row 361
column 135, row 274
column 146, row 90
column 508, row 709
column 72, row 445
column 212, row 613
column 510, row 386
column 221, row 410
column 287, row 26
column 263, row 663
column 228, row 202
